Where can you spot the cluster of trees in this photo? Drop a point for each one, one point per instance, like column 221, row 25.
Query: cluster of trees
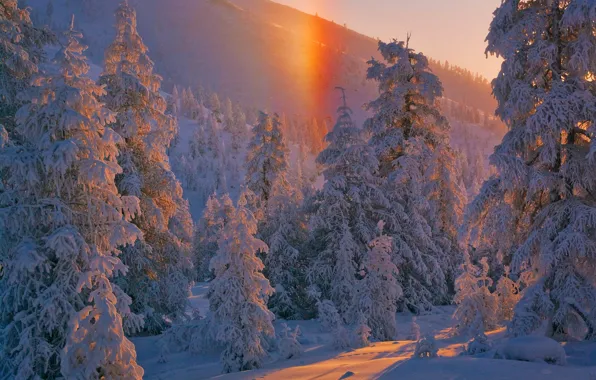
column 380, row 236
column 96, row 236
column 528, row 235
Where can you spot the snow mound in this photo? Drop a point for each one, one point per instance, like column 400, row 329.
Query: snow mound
column 426, row 348
column 533, row 349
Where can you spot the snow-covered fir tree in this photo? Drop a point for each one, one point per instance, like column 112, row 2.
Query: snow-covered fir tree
column 217, row 213
column 266, row 161
column 543, row 188
column 477, row 307
column 228, row 115
column 239, row 292
column 284, row 231
column 175, row 102
column 347, row 210
column 62, row 222
column 215, row 104
column 238, row 131
column 20, row 53
column 163, row 255
column 409, row 136
column 377, row 293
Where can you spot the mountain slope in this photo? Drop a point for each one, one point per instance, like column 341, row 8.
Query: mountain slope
column 257, row 52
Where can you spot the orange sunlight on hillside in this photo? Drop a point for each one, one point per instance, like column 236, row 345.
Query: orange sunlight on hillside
column 309, row 58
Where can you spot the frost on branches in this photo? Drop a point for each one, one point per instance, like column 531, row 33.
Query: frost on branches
column 410, row 140
column 376, row 294
column 544, row 185
column 159, row 265
column 62, row 221
column 238, row 295
column 346, row 212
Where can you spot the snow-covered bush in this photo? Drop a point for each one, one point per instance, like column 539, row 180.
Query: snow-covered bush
column 196, row 336
column 340, row 338
column 361, row 333
column 477, row 307
column 532, row 349
column 328, row 316
column 426, row 347
column 332, row 322
column 478, row 345
column 289, row 346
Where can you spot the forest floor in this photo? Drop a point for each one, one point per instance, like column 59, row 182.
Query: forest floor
column 387, row 360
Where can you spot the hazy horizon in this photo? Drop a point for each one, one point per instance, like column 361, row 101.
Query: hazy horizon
column 460, row 43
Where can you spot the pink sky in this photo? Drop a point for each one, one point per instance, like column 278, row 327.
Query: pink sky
column 452, row 30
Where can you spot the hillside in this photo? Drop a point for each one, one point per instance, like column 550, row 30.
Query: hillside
column 256, row 52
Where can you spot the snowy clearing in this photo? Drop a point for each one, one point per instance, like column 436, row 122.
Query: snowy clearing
column 386, row 360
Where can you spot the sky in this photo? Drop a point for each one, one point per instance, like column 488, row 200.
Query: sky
column 452, row 30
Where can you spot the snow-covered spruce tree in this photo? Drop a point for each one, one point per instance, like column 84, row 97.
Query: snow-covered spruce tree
column 175, row 102
column 347, row 210
column 20, row 53
column 477, row 307
column 228, row 115
column 238, row 131
column 61, row 223
column 544, row 187
column 238, row 295
column 266, row 161
column 217, row 213
column 409, row 134
column 215, row 104
column 377, row 293
column 163, row 256
column 284, row 230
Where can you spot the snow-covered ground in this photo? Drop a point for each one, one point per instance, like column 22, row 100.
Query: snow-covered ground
column 387, row 360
